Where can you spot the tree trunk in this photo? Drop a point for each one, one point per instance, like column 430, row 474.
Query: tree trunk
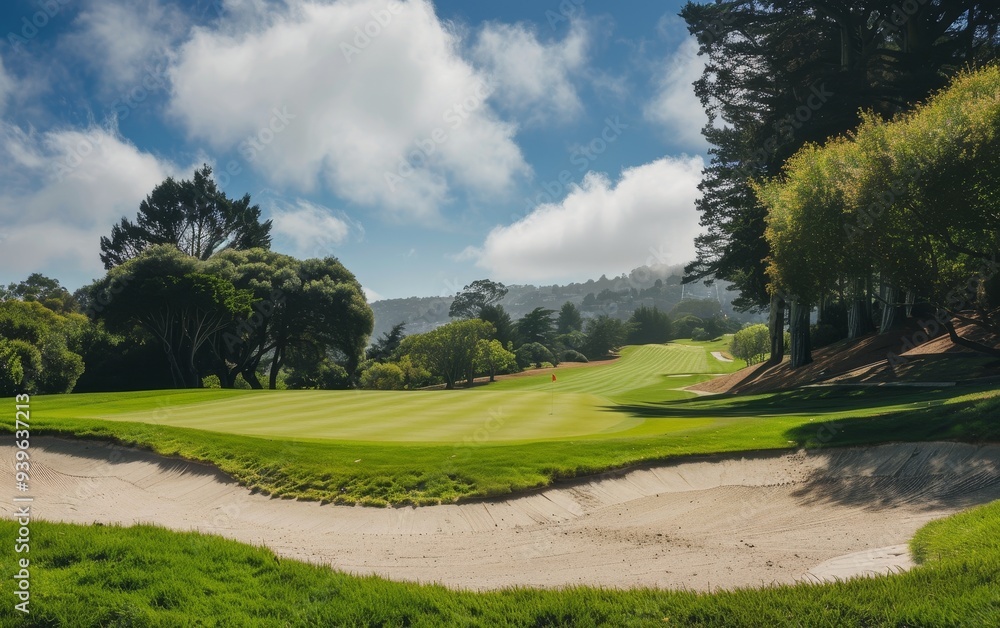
column 892, row 312
column 250, row 377
column 776, row 329
column 968, row 344
column 801, row 349
column 859, row 320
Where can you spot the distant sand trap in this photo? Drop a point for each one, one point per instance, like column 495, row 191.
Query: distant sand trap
column 702, row 523
column 720, row 357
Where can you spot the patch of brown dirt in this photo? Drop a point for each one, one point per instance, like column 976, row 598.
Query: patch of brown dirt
column 899, row 356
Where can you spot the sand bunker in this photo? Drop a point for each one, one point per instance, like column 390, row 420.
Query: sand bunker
column 720, row 522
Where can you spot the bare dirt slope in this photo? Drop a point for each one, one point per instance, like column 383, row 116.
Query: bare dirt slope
column 901, row 356
column 708, row 523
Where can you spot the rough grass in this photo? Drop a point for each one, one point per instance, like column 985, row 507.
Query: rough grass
column 145, row 576
column 383, row 448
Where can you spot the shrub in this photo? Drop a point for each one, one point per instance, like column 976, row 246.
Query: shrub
column 699, row 333
column 383, row 376
column 533, row 353
column 570, row 355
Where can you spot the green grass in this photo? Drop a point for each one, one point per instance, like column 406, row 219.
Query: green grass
column 146, row 576
column 427, row 447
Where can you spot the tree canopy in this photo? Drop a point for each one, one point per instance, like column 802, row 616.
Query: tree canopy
column 193, row 215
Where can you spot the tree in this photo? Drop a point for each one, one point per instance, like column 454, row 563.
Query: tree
column 534, row 353
column 497, row 316
column 767, row 72
column 45, row 290
column 193, row 215
column 385, row 347
column 170, row 295
column 604, row 335
column 450, row 350
column 313, row 306
column 648, row 326
column 909, row 200
column 35, row 350
column 383, row 376
column 569, row 319
column 751, row 344
column 536, row 326
column 474, row 297
column 493, row 358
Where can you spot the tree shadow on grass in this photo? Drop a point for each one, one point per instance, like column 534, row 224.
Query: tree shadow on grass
column 960, row 469
column 800, row 401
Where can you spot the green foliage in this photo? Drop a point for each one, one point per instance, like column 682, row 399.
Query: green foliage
column 11, row 369
column 752, row 344
column 470, row 302
column 450, row 350
column 536, row 326
column 648, row 326
column 37, row 355
column 533, row 353
column 604, row 335
column 684, row 326
column 385, row 347
column 45, row 290
column 569, row 355
column 493, row 359
column 194, row 216
column 383, row 376
column 912, row 198
column 699, row 334
column 569, row 319
column 497, row 316
column 698, row 308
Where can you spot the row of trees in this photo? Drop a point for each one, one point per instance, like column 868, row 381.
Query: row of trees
column 908, row 204
column 780, row 74
column 485, row 341
column 192, row 293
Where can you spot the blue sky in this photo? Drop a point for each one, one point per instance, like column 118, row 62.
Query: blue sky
column 424, row 144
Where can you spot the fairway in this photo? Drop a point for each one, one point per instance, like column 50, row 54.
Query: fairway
column 580, row 404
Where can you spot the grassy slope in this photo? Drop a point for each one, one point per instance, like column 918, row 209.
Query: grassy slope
column 146, row 576
column 445, row 445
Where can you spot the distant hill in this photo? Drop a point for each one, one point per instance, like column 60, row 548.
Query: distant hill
column 617, row 297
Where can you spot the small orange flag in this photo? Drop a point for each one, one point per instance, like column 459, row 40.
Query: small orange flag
column 553, row 377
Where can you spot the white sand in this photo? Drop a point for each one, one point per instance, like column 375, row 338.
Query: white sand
column 720, row 357
column 710, row 523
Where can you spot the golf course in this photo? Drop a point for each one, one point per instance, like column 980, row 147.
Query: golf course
column 608, row 462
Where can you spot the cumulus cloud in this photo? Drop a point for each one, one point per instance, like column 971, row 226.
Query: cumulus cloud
column 312, row 229
column 534, row 79
column 124, row 41
column 647, row 217
column 674, row 106
column 62, row 190
column 370, row 97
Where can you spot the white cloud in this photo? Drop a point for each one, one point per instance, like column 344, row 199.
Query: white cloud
column 357, row 104
column 534, row 79
column 126, row 41
column 62, row 190
column 675, row 106
column 648, row 217
column 312, row 229
column 370, row 295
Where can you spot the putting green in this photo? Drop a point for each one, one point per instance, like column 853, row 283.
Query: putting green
column 528, row 408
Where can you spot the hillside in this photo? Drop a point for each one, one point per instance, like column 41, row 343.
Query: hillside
column 618, row 297
column 875, row 359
